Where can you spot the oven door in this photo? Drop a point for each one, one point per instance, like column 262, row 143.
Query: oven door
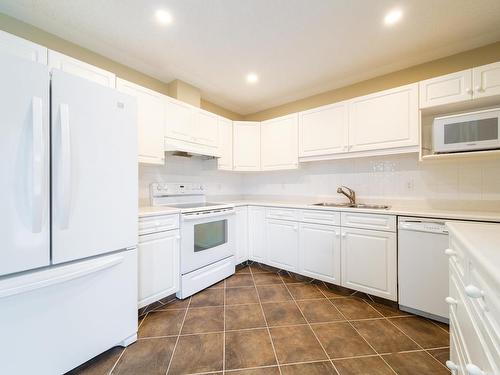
column 206, row 238
column 467, row 132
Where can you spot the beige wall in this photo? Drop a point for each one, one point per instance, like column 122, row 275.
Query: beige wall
column 465, row 60
column 27, row 31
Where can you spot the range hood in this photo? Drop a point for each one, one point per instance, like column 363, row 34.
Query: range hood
column 182, row 148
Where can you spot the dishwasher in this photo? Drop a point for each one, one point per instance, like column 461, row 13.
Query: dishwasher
column 423, row 267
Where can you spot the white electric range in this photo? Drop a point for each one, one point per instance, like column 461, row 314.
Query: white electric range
column 207, row 235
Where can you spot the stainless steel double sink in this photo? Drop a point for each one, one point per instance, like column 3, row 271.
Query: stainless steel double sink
column 356, row 205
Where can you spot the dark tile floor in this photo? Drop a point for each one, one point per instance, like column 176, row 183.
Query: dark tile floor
column 260, row 323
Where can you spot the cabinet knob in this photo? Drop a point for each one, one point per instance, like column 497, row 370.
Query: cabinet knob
column 469, row 91
column 479, row 89
column 450, row 252
column 473, row 369
column 452, row 366
column 451, row 301
column 473, row 291
column 344, row 234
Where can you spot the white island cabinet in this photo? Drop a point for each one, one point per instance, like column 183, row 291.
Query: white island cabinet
column 474, row 261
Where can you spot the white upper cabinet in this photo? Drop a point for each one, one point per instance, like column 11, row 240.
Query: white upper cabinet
column 246, row 146
column 486, row 80
column 179, row 122
column 225, row 162
column 279, row 143
column 387, row 119
column 150, row 121
column 79, row 68
column 22, row 48
column 206, row 128
column 451, row 88
column 324, row 130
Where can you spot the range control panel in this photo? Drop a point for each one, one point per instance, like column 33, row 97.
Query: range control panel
column 159, row 189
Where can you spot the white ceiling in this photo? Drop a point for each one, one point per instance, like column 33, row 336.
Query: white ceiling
column 297, row 47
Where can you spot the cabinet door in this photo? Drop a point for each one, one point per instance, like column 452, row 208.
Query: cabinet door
column 279, row 143
column 79, row 68
column 257, row 234
column 158, row 264
column 22, row 48
column 282, row 244
column 241, row 234
column 387, row 119
column 324, row 130
column 225, row 162
column 246, row 146
column 179, row 123
column 150, row 121
column 450, row 88
column 369, row 262
column 486, row 80
column 206, row 128
column 319, row 252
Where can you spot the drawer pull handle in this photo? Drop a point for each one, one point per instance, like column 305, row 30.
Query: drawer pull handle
column 473, row 291
column 473, row 369
column 344, row 235
column 452, row 366
column 450, row 252
column 451, row 301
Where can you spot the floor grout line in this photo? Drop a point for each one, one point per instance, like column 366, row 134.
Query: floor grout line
column 354, row 328
column 118, row 360
column 420, row 346
column 178, row 337
column 312, row 330
column 265, row 320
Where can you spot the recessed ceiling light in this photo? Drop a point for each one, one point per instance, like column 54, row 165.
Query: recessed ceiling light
column 163, row 17
column 252, row 78
column 393, row 16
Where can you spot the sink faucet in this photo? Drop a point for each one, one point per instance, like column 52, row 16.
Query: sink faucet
column 350, row 194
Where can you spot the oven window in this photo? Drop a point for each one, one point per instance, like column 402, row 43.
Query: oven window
column 471, row 131
column 208, row 235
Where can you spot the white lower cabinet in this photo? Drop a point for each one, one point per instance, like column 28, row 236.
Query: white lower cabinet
column 241, row 234
column 282, row 244
column 257, row 234
column 369, row 262
column 319, row 252
column 159, row 266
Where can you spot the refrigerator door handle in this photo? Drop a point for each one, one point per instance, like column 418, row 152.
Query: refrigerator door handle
column 38, row 167
column 65, row 166
column 44, row 279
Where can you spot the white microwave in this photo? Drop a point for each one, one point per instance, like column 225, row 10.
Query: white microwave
column 472, row 131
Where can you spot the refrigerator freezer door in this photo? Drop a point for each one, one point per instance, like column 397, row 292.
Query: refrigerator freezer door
column 24, row 161
column 60, row 317
column 94, row 169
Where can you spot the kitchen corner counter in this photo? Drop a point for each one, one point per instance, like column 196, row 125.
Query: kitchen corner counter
column 146, row 211
column 400, row 211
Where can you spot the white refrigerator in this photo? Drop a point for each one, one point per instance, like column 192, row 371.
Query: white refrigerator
column 68, row 225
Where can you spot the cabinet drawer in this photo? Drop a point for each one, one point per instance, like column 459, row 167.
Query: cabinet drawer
column 282, row 214
column 158, row 223
column 369, row 221
column 467, row 325
column 319, row 217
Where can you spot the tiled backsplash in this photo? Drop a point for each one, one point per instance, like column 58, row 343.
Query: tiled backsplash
column 473, row 184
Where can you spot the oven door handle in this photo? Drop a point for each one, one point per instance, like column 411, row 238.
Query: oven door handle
column 188, row 217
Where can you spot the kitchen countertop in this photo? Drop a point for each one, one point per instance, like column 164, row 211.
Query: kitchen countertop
column 482, row 242
column 401, row 211
column 146, row 211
